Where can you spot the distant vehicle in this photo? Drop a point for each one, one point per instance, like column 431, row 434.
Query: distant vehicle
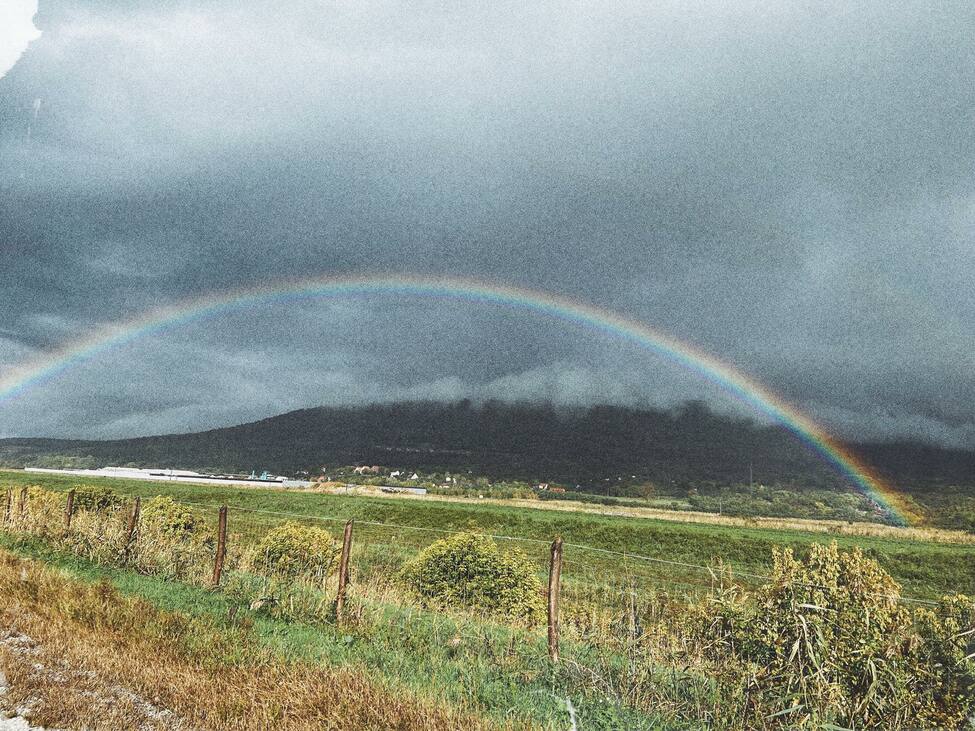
column 411, row 490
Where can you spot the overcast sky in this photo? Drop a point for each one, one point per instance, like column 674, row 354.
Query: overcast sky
column 789, row 186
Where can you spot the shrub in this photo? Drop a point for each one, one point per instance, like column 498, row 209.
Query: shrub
column 470, row 570
column 95, row 498
column 171, row 542
column 827, row 641
column 44, row 514
column 164, row 514
column 294, row 550
column 945, row 659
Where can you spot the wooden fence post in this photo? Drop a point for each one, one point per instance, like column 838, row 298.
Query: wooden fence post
column 9, row 506
column 343, row 571
column 133, row 523
column 23, row 502
column 221, row 546
column 554, row 587
column 69, row 510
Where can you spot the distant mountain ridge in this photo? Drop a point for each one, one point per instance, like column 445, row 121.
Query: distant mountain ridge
column 585, row 446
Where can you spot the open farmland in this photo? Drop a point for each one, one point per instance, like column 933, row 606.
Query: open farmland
column 925, row 569
column 627, row 585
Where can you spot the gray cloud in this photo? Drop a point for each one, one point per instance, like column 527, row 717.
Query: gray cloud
column 16, row 31
column 789, row 188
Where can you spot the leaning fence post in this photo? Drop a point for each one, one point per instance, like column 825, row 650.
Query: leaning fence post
column 343, row 571
column 68, row 510
column 23, row 502
column 133, row 523
column 9, row 506
column 554, row 586
column 221, row 546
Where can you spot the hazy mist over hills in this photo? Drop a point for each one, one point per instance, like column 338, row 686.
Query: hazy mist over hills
column 583, row 446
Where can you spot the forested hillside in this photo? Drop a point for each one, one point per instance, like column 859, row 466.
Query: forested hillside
column 589, row 447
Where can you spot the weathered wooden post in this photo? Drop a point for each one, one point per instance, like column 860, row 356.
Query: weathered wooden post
column 68, row 510
column 633, row 620
column 221, row 546
column 343, row 571
column 133, row 524
column 22, row 510
column 9, row 506
column 554, row 587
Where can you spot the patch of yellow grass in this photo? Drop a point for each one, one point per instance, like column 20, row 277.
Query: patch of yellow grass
column 95, row 645
column 833, row 527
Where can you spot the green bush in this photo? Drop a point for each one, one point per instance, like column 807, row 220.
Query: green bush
column 828, row 641
column 95, row 498
column 164, row 514
column 472, row 571
column 945, row 662
column 294, row 550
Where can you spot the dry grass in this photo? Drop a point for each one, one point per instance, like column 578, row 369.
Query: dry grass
column 44, row 688
column 94, row 655
column 832, row 527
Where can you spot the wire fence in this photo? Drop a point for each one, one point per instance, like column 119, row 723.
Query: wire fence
column 630, row 622
column 726, row 570
column 599, row 587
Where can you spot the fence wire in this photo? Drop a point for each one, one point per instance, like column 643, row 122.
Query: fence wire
column 624, row 555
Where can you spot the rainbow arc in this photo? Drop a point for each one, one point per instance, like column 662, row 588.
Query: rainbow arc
column 49, row 366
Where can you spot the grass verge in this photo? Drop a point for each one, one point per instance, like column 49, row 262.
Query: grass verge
column 174, row 649
column 474, row 673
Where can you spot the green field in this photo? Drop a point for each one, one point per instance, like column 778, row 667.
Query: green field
column 924, row 569
column 626, row 582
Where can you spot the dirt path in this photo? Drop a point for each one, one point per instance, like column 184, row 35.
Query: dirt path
column 17, row 723
column 35, row 686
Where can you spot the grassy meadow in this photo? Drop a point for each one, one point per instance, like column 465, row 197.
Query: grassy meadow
column 925, row 568
column 176, row 645
column 629, row 585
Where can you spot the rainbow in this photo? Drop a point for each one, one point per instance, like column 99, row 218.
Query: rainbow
column 47, row 367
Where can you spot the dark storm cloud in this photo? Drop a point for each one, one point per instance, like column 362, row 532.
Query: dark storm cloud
column 788, row 187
